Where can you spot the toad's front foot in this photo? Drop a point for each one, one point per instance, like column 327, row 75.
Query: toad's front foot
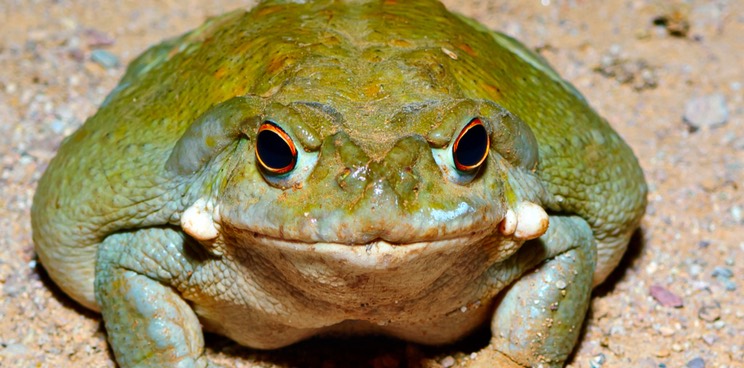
column 538, row 321
column 147, row 321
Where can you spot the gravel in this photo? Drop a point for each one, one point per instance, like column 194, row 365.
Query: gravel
column 696, row 363
column 706, row 111
column 104, row 58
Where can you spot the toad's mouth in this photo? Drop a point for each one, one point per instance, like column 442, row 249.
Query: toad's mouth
column 347, row 230
column 362, row 243
column 377, row 254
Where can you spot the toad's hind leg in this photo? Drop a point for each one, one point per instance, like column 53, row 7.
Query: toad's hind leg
column 538, row 321
column 148, row 323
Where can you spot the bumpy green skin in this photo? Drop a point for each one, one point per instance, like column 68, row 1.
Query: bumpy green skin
column 374, row 231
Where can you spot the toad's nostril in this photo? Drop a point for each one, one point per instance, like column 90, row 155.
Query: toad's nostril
column 403, row 164
column 399, row 168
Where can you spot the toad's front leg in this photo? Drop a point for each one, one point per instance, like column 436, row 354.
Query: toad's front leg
column 539, row 318
column 147, row 321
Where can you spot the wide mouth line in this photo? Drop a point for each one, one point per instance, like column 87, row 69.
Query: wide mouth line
column 446, row 238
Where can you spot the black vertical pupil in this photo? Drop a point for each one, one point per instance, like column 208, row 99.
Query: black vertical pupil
column 472, row 146
column 273, row 150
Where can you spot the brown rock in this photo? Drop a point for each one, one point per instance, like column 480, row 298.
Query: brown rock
column 665, row 297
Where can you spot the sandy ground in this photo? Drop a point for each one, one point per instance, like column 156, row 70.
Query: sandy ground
column 641, row 63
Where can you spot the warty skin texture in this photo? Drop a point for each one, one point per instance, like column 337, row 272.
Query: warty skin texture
column 155, row 213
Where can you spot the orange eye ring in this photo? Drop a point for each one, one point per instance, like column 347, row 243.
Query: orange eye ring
column 276, row 153
column 471, row 146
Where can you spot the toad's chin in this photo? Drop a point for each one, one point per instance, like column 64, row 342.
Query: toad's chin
column 378, row 273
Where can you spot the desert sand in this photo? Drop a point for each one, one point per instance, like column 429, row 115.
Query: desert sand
column 668, row 75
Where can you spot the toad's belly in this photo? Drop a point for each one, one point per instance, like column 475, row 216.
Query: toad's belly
column 429, row 319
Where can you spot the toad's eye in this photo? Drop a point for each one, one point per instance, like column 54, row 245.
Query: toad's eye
column 275, row 151
column 471, row 146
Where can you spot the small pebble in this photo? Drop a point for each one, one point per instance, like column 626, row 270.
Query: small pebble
column 651, row 267
column 665, row 297
column 104, row 58
column 710, row 339
column 729, row 285
column 710, row 312
column 696, row 363
column 617, row 330
column 695, row 269
column 97, row 38
column 676, row 23
column 447, row 362
column 706, row 111
column 722, row 272
column 724, row 275
column 703, row 244
column 736, row 213
column 57, row 126
column 15, row 349
column 598, row 360
column 666, row 331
